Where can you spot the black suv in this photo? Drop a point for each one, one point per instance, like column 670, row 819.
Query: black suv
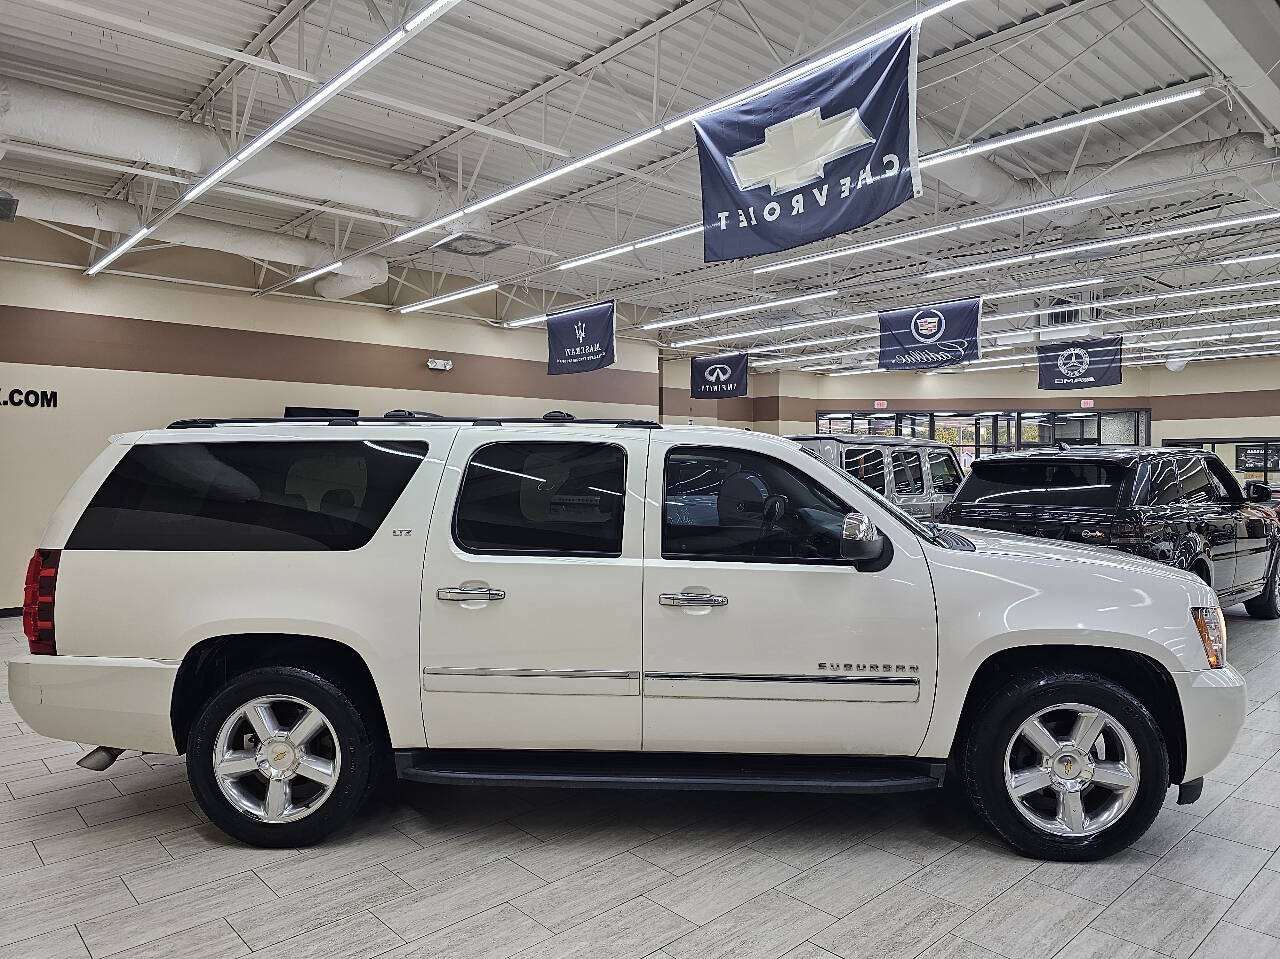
column 1182, row 507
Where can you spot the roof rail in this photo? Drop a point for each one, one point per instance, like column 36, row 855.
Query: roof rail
column 401, row 417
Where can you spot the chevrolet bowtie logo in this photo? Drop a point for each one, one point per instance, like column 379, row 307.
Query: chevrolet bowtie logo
column 796, row 151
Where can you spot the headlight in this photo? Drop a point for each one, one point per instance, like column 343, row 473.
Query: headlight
column 1213, row 633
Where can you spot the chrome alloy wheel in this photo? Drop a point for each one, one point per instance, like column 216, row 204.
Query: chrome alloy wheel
column 1072, row 770
column 277, row 759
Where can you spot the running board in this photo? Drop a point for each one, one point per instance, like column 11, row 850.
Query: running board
column 640, row 770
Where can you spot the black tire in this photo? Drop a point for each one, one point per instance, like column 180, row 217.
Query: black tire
column 1267, row 605
column 993, row 726
column 357, row 773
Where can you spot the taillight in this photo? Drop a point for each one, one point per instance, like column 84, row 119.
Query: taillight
column 37, row 601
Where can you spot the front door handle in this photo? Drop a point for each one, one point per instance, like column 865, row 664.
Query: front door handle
column 462, row 594
column 693, row 599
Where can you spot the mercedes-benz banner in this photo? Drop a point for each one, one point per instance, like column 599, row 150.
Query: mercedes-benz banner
column 818, row 156
column 580, row 340
column 1081, row 364
column 928, row 337
column 715, row 377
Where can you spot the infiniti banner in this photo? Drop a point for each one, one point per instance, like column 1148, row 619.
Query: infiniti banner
column 1081, row 364
column 818, row 156
column 580, row 340
column 715, row 377
column 928, row 337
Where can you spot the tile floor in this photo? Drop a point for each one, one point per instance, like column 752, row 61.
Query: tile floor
column 122, row 864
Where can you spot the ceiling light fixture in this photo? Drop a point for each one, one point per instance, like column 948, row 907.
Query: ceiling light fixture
column 291, row 118
column 593, row 257
column 527, row 321
column 825, row 321
column 318, row 271
column 1255, row 258
column 449, row 297
column 737, row 310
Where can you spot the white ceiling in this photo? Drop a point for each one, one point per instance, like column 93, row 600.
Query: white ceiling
column 499, row 90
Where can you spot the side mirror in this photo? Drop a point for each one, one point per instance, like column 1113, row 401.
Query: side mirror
column 1256, row 492
column 860, row 541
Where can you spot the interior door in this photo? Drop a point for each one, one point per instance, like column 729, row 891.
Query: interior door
column 758, row 637
column 530, row 637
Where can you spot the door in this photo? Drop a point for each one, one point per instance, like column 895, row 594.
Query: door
column 1253, row 545
column 1212, row 518
column 758, row 637
column 908, row 483
column 530, row 637
column 944, row 478
column 866, row 463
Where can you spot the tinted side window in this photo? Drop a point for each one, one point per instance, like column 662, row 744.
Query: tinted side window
column 735, row 505
column 543, row 498
column 943, row 469
column 865, row 465
column 908, row 474
column 248, row 496
column 1196, row 487
column 1164, row 482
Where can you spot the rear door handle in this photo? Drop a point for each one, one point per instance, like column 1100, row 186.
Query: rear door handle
column 461, row 594
column 693, row 599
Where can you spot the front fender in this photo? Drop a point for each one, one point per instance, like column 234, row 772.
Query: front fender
column 990, row 602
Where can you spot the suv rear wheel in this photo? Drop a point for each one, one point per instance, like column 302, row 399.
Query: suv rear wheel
column 1267, row 604
column 1065, row 765
column 280, row 756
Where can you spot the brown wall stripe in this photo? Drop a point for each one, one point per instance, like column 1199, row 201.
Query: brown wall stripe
column 56, row 338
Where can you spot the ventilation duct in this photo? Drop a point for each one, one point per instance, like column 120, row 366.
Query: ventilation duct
column 117, row 216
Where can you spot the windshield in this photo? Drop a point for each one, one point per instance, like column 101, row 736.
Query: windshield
column 1047, row 482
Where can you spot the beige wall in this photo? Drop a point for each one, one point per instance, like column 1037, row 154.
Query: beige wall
column 106, row 389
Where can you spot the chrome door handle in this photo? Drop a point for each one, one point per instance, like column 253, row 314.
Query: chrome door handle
column 461, row 594
column 692, row 599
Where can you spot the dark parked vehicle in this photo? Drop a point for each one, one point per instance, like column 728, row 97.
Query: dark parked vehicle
column 1177, row 506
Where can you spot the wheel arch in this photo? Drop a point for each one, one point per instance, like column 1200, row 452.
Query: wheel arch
column 1141, row 675
column 211, row 662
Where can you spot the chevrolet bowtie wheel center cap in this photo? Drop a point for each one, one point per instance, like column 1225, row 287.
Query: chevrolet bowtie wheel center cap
column 277, row 759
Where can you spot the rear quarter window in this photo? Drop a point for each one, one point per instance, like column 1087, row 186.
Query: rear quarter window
column 250, row 496
column 1044, row 483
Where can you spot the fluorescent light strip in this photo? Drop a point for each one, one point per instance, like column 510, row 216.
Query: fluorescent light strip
column 1205, row 226
column 995, row 143
column 1256, row 257
column 527, row 321
column 664, row 237
column 825, row 321
column 449, row 297
column 737, row 310
column 860, row 248
column 291, row 118
column 1029, row 290
column 1143, row 298
column 121, row 249
column 781, row 79
column 318, row 271
column 593, row 257
column 1039, row 208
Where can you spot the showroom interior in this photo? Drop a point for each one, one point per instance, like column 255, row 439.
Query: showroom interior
column 325, row 210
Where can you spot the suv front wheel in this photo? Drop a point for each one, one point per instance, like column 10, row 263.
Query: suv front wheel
column 280, row 756
column 1267, row 604
column 1065, row 765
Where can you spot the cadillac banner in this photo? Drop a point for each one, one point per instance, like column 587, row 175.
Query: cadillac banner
column 1081, row 364
column 580, row 340
column 818, row 156
column 927, row 337
column 715, row 377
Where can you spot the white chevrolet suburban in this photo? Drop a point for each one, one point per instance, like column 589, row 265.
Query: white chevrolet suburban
column 298, row 604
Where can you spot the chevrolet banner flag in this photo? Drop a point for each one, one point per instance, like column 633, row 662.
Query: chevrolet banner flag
column 580, row 340
column 927, row 337
column 715, row 377
column 826, row 153
column 1081, row 364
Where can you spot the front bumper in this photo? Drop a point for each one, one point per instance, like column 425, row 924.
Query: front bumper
column 1213, row 708
column 98, row 700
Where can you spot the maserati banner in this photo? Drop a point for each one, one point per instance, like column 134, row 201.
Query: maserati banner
column 580, row 340
column 715, row 377
column 821, row 155
column 1081, row 364
column 927, row 337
